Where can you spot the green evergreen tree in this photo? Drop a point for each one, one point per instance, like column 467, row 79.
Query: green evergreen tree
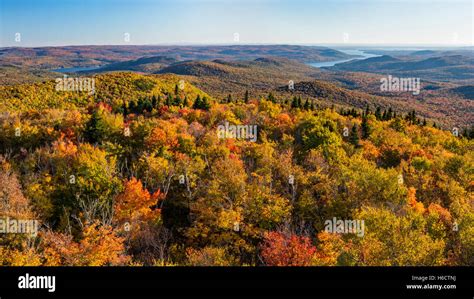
column 354, row 135
column 271, row 98
column 378, row 114
column 306, row 105
column 471, row 133
column 140, row 105
column 294, row 103
column 124, row 110
column 365, row 127
column 205, row 105
column 147, row 106
column 169, row 100
column 390, row 113
column 95, row 130
column 367, row 110
column 177, row 101
column 132, row 106
column 197, row 103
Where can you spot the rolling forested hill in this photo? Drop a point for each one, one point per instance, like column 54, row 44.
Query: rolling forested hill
column 443, row 68
column 78, row 56
column 138, row 173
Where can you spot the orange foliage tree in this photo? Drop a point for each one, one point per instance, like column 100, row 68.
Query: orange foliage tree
column 135, row 202
column 99, row 246
column 287, row 250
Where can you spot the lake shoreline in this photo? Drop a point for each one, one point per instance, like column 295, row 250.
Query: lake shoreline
column 361, row 56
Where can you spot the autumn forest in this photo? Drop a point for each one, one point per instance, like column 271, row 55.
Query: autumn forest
column 139, row 174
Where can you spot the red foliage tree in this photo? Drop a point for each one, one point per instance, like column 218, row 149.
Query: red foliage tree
column 287, row 250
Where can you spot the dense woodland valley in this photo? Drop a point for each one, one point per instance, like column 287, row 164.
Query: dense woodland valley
column 136, row 172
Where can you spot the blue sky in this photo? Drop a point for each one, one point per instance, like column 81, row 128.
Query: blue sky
column 102, row 22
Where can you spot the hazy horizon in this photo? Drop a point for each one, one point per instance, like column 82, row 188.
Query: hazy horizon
column 29, row 23
column 342, row 45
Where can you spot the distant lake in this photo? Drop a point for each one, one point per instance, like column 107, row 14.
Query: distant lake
column 364, row 55
column 76, row 69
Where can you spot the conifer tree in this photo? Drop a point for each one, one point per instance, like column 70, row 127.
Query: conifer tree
column 354, row 136
column 147, row 106
column 365, row 127
column 185, row 102
column 169, row 100
column 177, row 101
column 124, row 110
column 197, row 103
column 367, row 110
column 306, row 105
column 390, row 113
column 294, row 102
column 205, row 105
column 94, row 127
column 378, row 114
column 132, row 106
column 140, row 105
column 271, row 98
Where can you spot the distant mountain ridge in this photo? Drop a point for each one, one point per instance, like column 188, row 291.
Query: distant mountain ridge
column 143, row 64
column 451, row 67
column 81, row 56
